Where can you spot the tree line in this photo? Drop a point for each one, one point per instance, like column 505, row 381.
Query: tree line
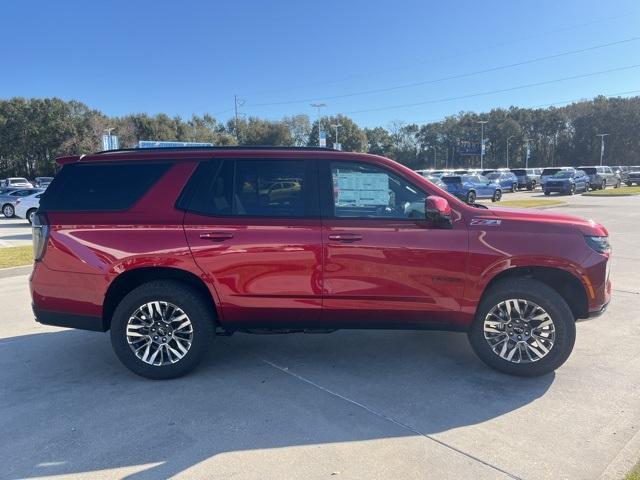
column 33, row 132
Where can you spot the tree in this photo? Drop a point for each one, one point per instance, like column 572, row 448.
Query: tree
column 352, row 137
column 379, row 141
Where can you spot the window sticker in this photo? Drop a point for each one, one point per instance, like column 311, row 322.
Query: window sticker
column 362, row 189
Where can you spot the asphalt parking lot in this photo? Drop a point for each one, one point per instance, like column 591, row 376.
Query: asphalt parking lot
column 352, row 404
column 14, row 232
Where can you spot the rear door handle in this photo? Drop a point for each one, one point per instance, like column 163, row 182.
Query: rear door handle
column 216, row 236
column 345, row 237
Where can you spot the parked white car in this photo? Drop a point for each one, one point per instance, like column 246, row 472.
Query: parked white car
column 26, row 207
column 16, row 182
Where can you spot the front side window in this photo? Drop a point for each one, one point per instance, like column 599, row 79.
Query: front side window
column 364, row 191
column 254, row 188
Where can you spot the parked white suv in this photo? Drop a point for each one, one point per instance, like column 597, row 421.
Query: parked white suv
column 16, row 182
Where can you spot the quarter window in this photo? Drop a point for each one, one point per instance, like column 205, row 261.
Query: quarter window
column 364, row 191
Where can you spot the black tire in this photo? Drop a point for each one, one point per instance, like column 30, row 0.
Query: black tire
column 572, row 190
column 587, row 187
column 198, row 310
column 471, row 197
column 514, row 187
column 629, row 184
column 531, row 186
column 603, row 185
column 542, row 295
column 8, row 211
column 547, row 193
column 497, row 195
column 30, row 214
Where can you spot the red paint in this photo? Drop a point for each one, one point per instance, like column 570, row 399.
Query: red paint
column 329, row 272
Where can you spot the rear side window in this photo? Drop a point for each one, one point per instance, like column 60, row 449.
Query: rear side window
column 255, row 188
column 101, row 186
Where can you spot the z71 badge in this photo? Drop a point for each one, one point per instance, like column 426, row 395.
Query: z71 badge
column 486, row 222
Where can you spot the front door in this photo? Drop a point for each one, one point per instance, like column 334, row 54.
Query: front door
column 253, row 226
column 384, row 264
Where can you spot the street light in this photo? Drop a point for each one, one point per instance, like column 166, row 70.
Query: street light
column 318, row 106
column 602, row 135
column 481, row 122
column 508, row 138
column 337, row 144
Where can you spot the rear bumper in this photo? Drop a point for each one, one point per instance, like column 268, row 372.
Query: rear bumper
column 68, row 320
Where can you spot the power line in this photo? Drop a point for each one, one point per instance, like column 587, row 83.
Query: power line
column 451, row 77
column 451, row 57
column 492, row 92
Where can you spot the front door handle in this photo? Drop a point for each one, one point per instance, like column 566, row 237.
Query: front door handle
column 345, row 237
column 216, row 236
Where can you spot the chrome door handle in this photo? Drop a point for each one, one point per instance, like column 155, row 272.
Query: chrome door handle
column 216, row 236
column 345, row 237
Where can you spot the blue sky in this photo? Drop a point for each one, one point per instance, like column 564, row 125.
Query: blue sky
column 192, row 56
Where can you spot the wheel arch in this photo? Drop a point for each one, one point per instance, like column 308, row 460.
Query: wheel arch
column 130, row 279
column 568, row 285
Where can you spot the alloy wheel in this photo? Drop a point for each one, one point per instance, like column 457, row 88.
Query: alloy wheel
column 519, row 331
column 8, row 211
column 159, row 333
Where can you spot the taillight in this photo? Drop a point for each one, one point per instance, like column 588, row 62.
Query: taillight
column 40, row 228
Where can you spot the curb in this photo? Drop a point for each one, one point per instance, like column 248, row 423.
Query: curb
column 15, row 271
column 624, row 461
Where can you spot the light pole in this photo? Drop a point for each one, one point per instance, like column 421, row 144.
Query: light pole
column 508, row 138
column 337, row 126
column 435, row 157
column 602, row 135
column 481, row 122
column 318, row 106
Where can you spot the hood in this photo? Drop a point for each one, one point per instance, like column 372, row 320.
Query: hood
column 587, row 227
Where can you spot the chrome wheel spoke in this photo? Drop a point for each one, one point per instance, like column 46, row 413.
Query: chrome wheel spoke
column 519, row 331
column 153, row 336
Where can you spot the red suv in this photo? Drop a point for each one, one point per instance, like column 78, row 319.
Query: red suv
column 169, row 247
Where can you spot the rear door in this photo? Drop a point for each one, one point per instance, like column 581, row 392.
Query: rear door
column 253, row 225
column 383, row 262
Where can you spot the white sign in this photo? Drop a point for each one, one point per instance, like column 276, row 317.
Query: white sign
column 363, row 189
column 109, row 142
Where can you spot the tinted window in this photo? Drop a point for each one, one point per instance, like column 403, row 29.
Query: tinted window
column 365, row 191
column 451, row 180
column 101, row 186
column 550, row 171
column 590, row 171
column 254, row 188
column 520, row 172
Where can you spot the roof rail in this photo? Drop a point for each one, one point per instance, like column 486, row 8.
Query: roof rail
column 216, row 148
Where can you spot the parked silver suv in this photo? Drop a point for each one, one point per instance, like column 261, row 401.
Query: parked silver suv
column 602, row 177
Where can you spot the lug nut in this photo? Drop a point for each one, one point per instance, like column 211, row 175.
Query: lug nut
column 155, row 337
column 519, row 337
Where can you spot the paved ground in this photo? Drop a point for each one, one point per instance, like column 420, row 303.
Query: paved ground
column 14, row 232
column 370, row 405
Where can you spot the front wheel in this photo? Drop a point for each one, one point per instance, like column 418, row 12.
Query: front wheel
column 497, row 196
column 31, row 214
column 8, row 211
column 162, row 329
column 523, row 327
column 471, row 197
column 603, row 185
column 629, row 184
column 547, row 193
column 572, row 190
column 514, row 187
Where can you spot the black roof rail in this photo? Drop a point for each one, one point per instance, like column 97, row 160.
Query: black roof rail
column 217, row 148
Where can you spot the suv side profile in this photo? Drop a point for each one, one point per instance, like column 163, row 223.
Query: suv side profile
column 196, row 242
column 600, row 177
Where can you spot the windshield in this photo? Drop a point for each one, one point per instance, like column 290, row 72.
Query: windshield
column 564, row 174
column 451, row 180
column 17, row 180
column 494, row 175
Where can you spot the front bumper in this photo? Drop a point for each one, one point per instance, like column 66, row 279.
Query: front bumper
column 557, row 188
column 596, row 313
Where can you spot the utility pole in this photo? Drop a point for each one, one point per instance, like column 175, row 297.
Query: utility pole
column 527, row 153
column 336, row 126
column 318, row 106
column 508, row 138
column 481, row 122
column 237, row 102
column 602, row 135
column 435, row 156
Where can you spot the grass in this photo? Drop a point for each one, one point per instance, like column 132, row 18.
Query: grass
column 634, row 474
column 534, row 203
column 16, row 256
column 614, row 192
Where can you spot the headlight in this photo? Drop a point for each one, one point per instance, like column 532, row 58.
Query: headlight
column 599, row 244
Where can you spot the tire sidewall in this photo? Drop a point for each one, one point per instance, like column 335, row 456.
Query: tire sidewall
column 546, row 298
column 190, row 301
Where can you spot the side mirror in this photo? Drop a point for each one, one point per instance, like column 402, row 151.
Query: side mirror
column 438, row 211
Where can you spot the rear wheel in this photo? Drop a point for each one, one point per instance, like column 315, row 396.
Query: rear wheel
column 471, row 197
column 603, row 185
column 547, row 193
column 523, row 327
column 497, row 195
column 162, row 329
column 8, row 211
column 30, row 214
column 572, row 190
column 514, row 187
column 629, row 184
